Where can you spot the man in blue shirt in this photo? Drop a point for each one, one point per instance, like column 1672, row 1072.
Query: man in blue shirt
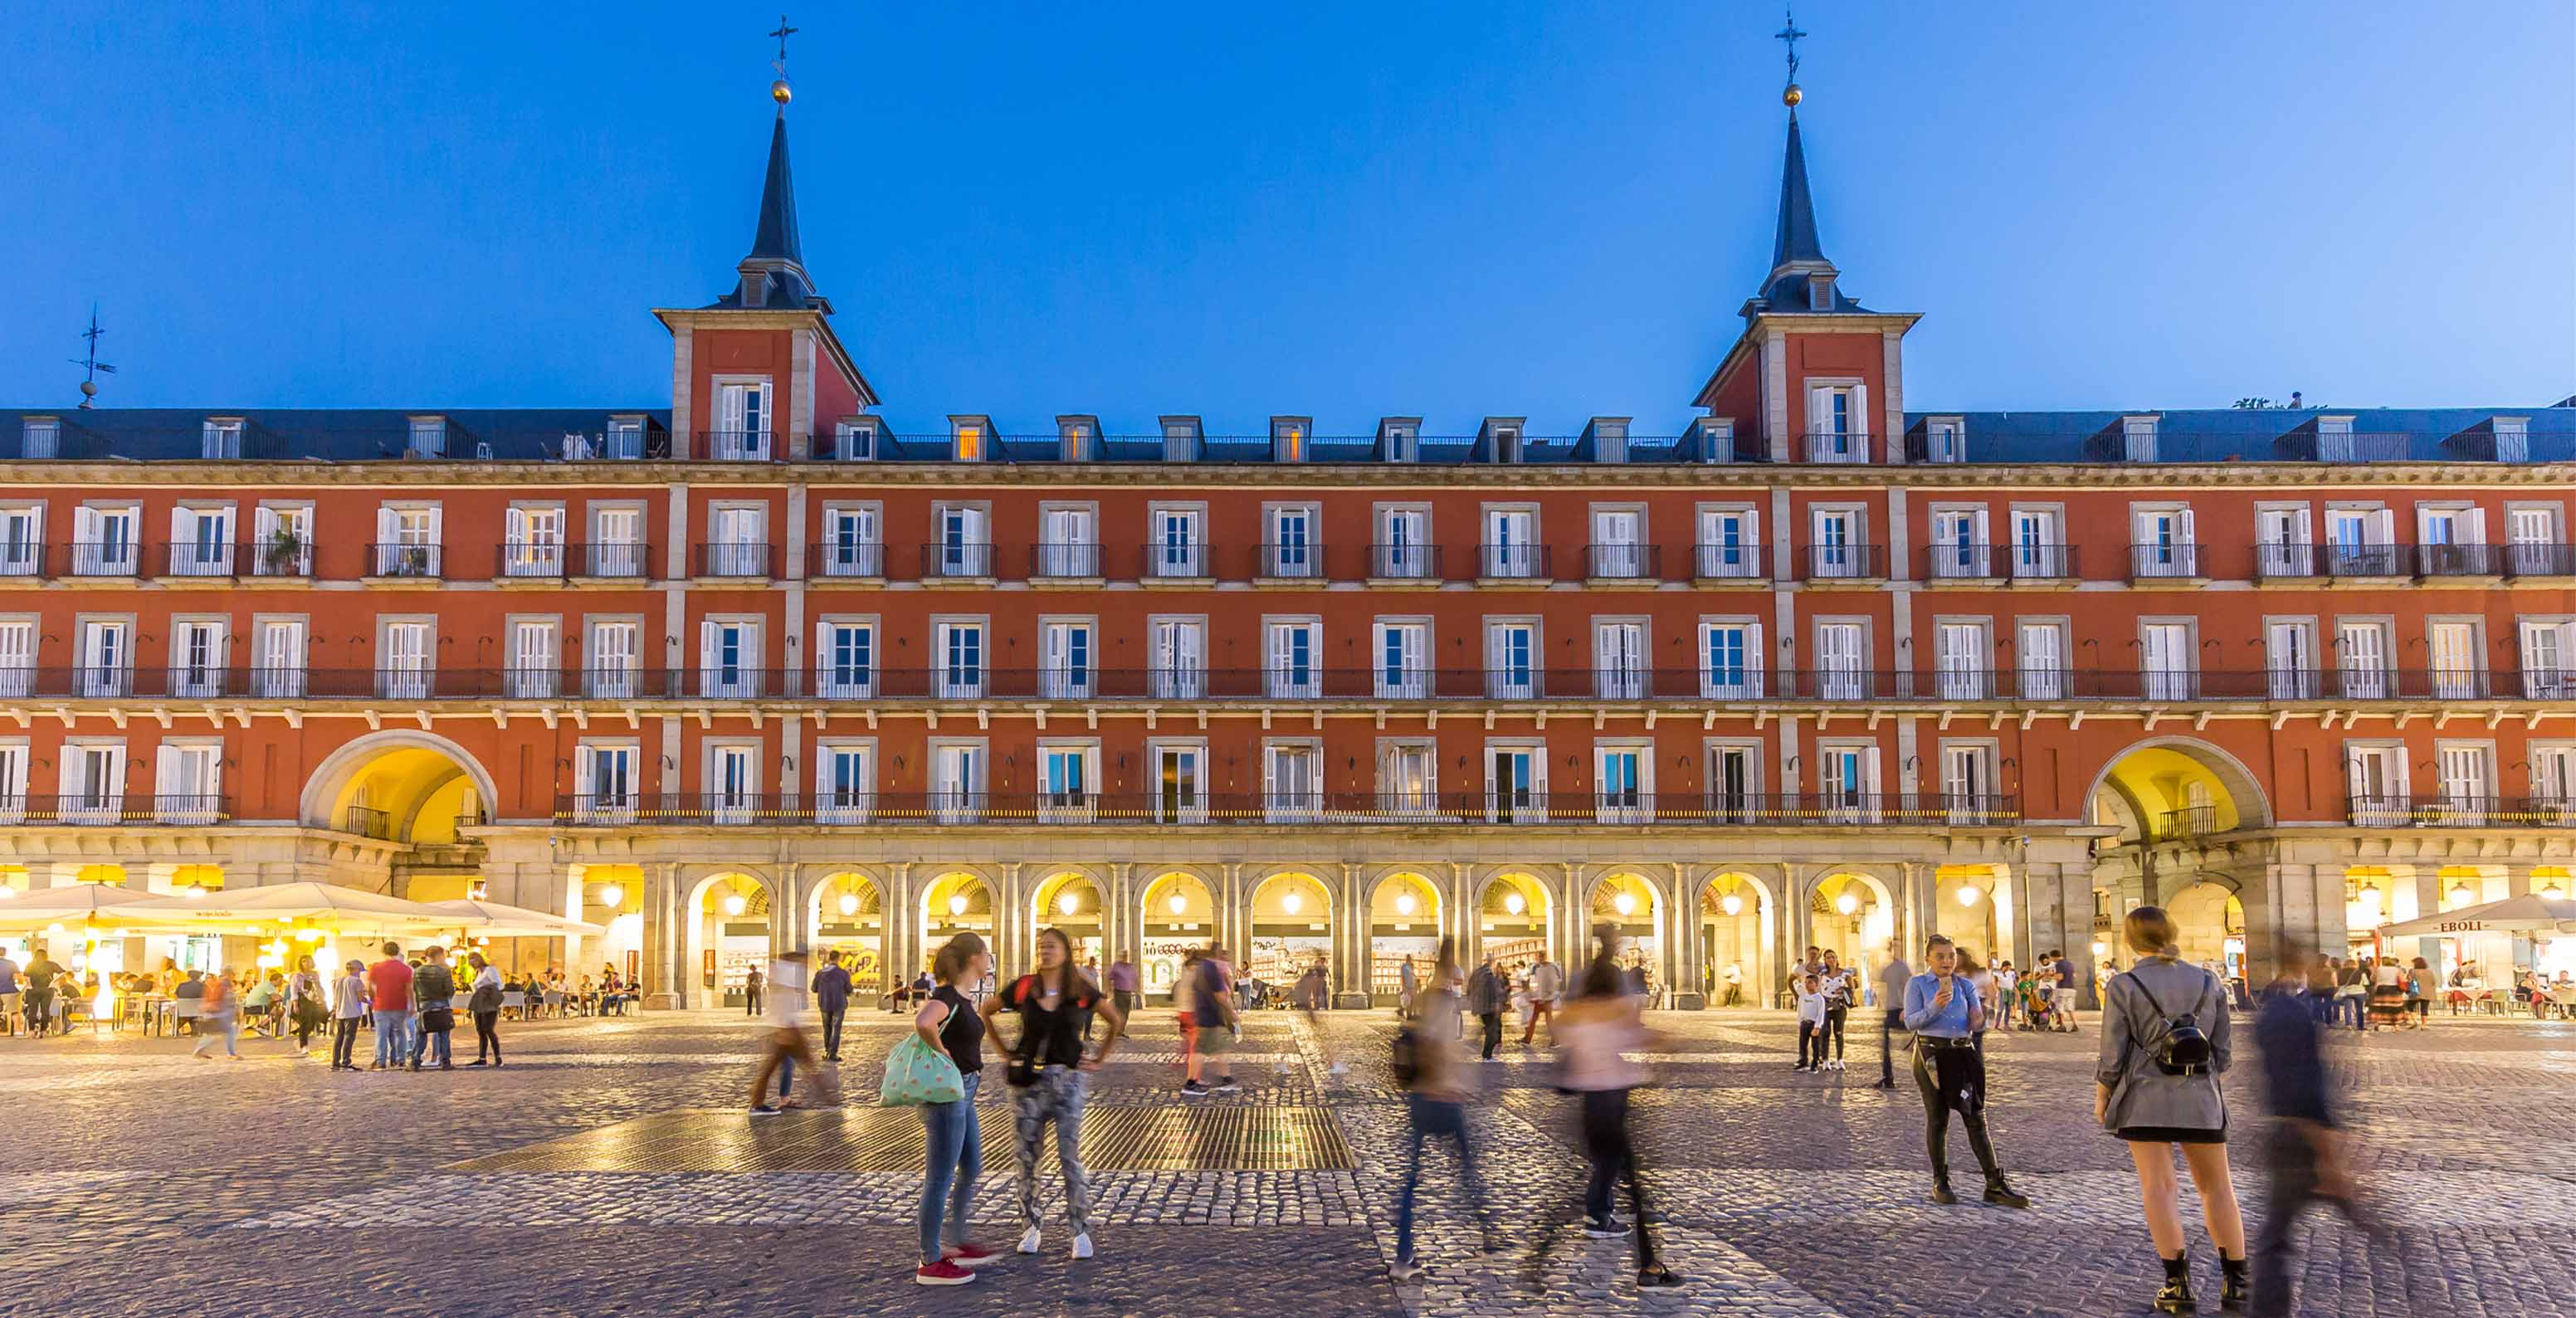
column 832, row 998
column 1945, row 1013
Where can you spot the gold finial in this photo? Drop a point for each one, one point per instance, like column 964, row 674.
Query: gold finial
column 1789, row 97
column 779, row 91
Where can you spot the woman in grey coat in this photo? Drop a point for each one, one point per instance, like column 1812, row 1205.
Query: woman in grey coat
column 2156, row 1106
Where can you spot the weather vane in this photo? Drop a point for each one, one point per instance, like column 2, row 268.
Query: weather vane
column 779, row 91
column 91, row 363
column 1789, row 34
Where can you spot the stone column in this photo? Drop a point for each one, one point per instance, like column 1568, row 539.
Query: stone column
column 1117, row 919
column 1350, row 943
column 2061, row 917
column 787, row 931
column 902, row 925
column 1683, row 961
column 665, row 984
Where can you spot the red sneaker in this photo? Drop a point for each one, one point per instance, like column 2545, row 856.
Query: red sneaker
column 942, row 1273
column 969, row 1255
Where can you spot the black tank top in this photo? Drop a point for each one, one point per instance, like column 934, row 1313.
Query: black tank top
column 964, row 1031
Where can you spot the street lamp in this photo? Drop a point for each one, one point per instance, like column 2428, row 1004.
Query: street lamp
column 1513, row 903
column 1624, row 903
column 1731, row 904
column 734, row 904
column 1967, row 894
column 1847, row 903
column 1291, row 902
column 612, row 895
column 849, row 903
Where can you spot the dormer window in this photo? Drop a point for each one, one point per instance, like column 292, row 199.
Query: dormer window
column 1717, row 439
column 1288, row 438
column 222, row 438
column 857, row 441
column 41, row 437
column 428, row 437
column 625, row 438
column 1180, row 439
column 1609, row 439
column 2513, row 439
column 2334, row 439
column 1837, row 421
column 1399, row 441
column 970, row 444
column 2137, row 439
column 1080, row 443
column 1507, row 444
column 1820, row 292
column 1945, row 439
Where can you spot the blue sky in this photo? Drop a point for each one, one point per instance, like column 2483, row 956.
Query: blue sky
column 1343, row 210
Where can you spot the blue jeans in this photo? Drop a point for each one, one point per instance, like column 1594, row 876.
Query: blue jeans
column 1435, row 1119
column 428, row 1046
column 393, row 1038
column 956, row 1162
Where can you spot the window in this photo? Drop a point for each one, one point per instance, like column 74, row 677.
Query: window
column 92, row 783
column 1507, row 444
column 1293, row 650
column 284, row 545
column 1403, row 652
column 1078, row 442
column 1403, row 551
column 845, row 659
column 428, row 437
column 1838, row 551
column 1620, row 661
column 1067, row 655
column 2458, row 666
column 1511, row 660
column 1961, row 656
column 407, row 541
column 2467, row 780
column 220, row 440
column 2513, row 439
column 17, row 657
column 1842, row 671
column 1619, row 550
column 2375, row 784
column 1406, row 784
column 1068, row 783
column 2361, row 542
column 1180, row 658
column 1180, row 441
column 2290, row 658
column 1292, row 781
column 2167, row 661
column 22, row 541
column 737, row 541
column 625, row 438
column 1403, row 444
column 1945, row 439
column 2546, row 646
column 188, row 782
column 1837, row 422
column 404, row 665
column 2532, row 546
column 1515, row 783
column 1968, row 786
column 2363, row 650
column 1179, row 549
column 1734, row 782
column 106, row 542
column 534, row 541
column 2163, row 546
column 2452, row 542
column 1958, row 548
column 40, row 438
column 967, row 442
column 1511, row 548
column 1730, row 544
column 2282, row 543
column 278, row 659
column 957, row 782
column 533, row 663
column 106, row 659
column 960, row 650
column 1068, row 541
column 2138, row 439
column 604, row 786
column 2039, row 545
column 964, row 548
column 616, row 546
column 742, row 421
column 1288, row 440
column 196, row 657
column 844, row 782
column 1609, row 441
column 852, row 546
column 1624, row 794
column 13, row 782
column 2334, row 440
column 1730, row 660
column 201, row 541
column 733, row 783
column 1290, row 550
column 616, row 660
column 729, row 658
column 1180, row 784
column 2553, row 778
column 2040, row 659
column 1849, row 781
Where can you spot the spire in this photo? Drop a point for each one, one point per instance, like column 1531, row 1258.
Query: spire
column 773, row 275
column 776, row 237
column 1796, row 238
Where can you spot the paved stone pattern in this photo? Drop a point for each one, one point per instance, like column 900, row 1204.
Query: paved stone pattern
column 139, row 1181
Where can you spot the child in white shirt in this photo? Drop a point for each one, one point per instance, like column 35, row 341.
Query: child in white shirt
column 1811, row 1024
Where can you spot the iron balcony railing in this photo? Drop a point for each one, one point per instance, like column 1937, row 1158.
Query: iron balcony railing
column 203, row 558
column 2369, row 560
column 1174, row 560
column 2527, row 559
column 831, row 559
column 2037, row 562
column 106, row 558
column 2460, row 810
column 367, row 822
column 1845, row 562
column 1834, row 447
column 1523, row 562
column 734, row 559
column 1295, row 560
column 106, row 809
column 2457, row 560
column 1319, row 809
column 2164, row 561
column 735, row 446
column 1741, row 561
column 2190, row 821
column 1954, row 561
column 407, row 559
column 1405, row 562
column 2284, row 561
column 1623, row 562
column 957, row 560
column 1064, row 561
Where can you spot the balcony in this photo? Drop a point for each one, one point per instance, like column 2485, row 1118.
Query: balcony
column 1175, row 561
column 2190, row 821
column 613, row 560
column 2165, row 562
column 957, row 560
column 735, row 561
column 103, row 811
column 2456, row 560
column 1959, row 562
column 2525, row 559
column 1345, row 809
column 1295, row 561
column 735, row 446
column 861, row 560
column 2040, row 564
column 406, row 561
column 106, row 558
column 1721, row 563
column 1068, row 561
column 532, row 560
column 2285, row 562
column 1512, row 563
column 284, row 557
column 1402, row 563
column 1611, row 564
column 203, row 558
column 2388, row 563
column 1833, row 448
column 1846, row 562
column 2460, row 810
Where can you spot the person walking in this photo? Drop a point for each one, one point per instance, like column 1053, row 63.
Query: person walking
column 950, row 1133
column 434, row 997
column 1734, row 984
column 753, row 982
column 832, row 1000
column 786, row 1044
column 1311, row 994
column 1942, row 1011
column 1486, row 994
column 483, row 1001
column 2307, row 1151
column 348, row 1007
column 1842, row 988
column 1050, row 1073
column 1436, row 1102
column 1546, row 981
column 2421, row 983
column 2352, row 993
column 2165, row 1043
column 1216, row 1022
column 1406, row 985
column 219, row 1018
column 1122, row 984
column 1892, row 981
column 389, row 997
column 41, row 974
column 304, row 1007
column 1599, row 1027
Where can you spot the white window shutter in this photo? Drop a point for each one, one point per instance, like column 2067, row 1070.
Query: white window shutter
column 2383, row 527
column 1820, row 410
column 518, row 526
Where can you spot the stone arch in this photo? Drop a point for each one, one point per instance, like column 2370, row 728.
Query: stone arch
column 1743, row 938
column 408, row 764
column 1166, row 936
column 1858, row 935
column 1405, row 913
column 2209, row 923
column 1087, row 921
column 2153, row 784
column 862, row 934
column 1515, row 937
column 703, row 915
column 1289, row 916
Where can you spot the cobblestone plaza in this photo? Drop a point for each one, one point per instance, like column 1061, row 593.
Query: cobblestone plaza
column 609, row 1170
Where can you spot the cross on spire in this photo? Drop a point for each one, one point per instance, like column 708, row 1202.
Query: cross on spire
column 90, row 362
column 1789, row 35
column 783, row 33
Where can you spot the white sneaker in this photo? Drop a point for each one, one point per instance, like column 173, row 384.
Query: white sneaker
column 1082, row 1245
column 1338, row 1068
column 1029, row 1241
column 1285, row 1068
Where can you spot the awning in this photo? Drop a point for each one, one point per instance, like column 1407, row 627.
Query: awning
column 96, row 905
column 495, row 920
column 2529, row 913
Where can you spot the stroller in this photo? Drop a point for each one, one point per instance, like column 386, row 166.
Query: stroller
column 2038, row 995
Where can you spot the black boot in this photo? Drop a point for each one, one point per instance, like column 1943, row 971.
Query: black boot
column 2232, row 1291
column 1941, row 1189
column 1999, row 1193
column 2175, row 1295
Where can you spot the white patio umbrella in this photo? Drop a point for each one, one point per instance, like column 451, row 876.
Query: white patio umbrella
column 95, row 904
column 496, row 920
column 316, row 905
column 2529, row 913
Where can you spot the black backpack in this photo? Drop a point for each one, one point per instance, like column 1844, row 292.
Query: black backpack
column 2182, row 1049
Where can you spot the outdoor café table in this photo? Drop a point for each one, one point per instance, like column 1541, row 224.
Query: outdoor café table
column 158, row 1013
